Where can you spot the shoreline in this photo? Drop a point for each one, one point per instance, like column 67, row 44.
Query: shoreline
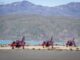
column 45, row 48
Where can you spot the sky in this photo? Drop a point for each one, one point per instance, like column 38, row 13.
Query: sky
column 50, row 3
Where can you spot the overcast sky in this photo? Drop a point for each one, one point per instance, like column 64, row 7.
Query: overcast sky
column 43, row 2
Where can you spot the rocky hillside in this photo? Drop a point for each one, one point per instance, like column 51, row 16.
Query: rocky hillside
column 39, row 27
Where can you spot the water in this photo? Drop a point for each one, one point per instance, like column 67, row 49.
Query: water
column 3, row 42
column 29, row 42
column 32, row 42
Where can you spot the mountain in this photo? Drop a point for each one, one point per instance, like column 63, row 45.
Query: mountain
column 70, row 9
column 39, row 22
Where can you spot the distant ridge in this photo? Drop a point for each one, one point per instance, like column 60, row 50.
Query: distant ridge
column 71, row 9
